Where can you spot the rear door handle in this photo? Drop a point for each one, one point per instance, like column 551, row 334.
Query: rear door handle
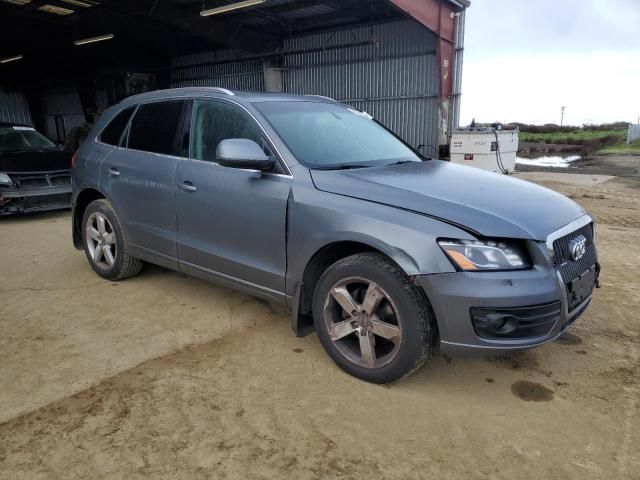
column 114, row 172
column 187, row 186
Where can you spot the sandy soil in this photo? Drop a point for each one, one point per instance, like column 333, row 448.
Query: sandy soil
column 164, row 376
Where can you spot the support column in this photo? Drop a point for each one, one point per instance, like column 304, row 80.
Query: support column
column 439, row 17
column 273, row 81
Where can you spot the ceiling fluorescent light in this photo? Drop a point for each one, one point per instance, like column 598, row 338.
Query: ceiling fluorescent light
column 55, row 10
column 79, row 3
column 231, row 7
column 11, row 59
column 101, row 38
column 18, row 2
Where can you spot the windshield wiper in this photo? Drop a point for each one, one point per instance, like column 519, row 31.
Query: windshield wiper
column 342, row 166
column 401, row 162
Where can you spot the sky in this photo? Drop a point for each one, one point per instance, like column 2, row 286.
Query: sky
column 526, row 59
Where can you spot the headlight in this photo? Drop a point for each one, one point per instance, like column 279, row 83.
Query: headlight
column 478, row 255
column 5, row 180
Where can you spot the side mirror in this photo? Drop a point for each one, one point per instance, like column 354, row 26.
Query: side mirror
column 243, row 154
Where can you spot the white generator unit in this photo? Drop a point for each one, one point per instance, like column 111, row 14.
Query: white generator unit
column 489, row 149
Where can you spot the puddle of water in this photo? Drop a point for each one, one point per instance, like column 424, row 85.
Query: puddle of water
column 549, row 161
column 569, row 339
column 531, row 392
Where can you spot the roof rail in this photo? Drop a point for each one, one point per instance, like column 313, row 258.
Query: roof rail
column 223, row 90
column 322, row 96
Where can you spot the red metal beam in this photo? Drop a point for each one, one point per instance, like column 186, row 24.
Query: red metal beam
column 437, row 16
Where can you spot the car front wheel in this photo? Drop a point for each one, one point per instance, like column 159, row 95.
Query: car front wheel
column 372, row 320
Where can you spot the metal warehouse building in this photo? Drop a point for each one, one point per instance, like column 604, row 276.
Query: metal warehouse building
column 399, row 60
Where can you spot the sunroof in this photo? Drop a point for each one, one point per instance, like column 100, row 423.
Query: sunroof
column 55, row 10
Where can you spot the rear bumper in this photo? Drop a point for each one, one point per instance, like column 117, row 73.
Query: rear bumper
column 454, row 296
column 34, row 200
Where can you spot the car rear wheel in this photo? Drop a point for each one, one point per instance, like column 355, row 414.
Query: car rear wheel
column 105, row 244
column 373, row 322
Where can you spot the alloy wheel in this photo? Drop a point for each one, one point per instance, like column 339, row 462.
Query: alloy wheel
column 101, row 240
column 363, row 322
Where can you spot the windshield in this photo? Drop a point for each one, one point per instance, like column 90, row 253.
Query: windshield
column 18, row 139
column 327, row 135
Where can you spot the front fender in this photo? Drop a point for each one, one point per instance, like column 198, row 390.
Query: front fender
column 318, row 219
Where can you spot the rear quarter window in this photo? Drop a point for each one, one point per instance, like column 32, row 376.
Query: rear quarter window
column 112, row 133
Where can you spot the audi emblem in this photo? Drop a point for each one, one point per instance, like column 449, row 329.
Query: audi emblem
column 578, row 247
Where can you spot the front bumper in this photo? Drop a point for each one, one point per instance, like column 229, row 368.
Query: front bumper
column 454, row 295
column 33, row 200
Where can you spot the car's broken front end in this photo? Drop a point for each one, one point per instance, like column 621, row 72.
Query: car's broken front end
column 34, row 191
column 35, row 173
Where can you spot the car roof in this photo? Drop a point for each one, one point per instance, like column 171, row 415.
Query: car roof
column 215, row 92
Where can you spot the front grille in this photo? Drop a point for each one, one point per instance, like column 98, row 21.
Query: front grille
column 568, row 268
column 571, row 270
column 561, row 245
column 60, row 180
column 41, row 180
column 33, row 182
column 575, row 273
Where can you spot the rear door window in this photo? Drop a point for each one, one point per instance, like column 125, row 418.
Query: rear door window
column 112, row 134
column 154, row 127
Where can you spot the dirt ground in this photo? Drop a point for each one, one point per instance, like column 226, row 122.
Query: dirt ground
column 164, row 376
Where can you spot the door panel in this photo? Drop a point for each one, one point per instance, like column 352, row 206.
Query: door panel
column 233, row 223
column 140, row 180
column 141, row 187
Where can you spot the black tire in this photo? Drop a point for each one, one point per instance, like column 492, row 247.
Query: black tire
column 412, row 313
column 124, row 265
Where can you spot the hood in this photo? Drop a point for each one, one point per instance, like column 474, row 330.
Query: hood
column 36, row 161
column 486, row 203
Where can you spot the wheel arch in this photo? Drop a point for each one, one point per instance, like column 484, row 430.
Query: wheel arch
column 323, row 258
column 83, row 199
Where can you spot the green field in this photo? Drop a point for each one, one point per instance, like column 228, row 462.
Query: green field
column 604, row 139
column 622, row 149
column 576, row 137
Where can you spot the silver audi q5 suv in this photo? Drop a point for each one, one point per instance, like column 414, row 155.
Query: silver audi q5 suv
column 310, row 203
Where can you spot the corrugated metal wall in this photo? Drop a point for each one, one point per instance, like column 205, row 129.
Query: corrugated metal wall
column 388, row 69
column 394, row 77
column 217, row 69
column 14, row 108
column 62, row 112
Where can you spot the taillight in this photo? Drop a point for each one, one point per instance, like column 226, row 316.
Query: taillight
column 73, row 160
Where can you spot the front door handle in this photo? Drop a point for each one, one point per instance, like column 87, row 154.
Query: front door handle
column 188, row 186
column 114, row 172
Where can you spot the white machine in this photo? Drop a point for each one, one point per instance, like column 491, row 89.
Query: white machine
column 490, row 149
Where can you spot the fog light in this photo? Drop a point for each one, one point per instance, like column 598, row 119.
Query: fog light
column 501, row 323
column 518, row 322
column 496, row 321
